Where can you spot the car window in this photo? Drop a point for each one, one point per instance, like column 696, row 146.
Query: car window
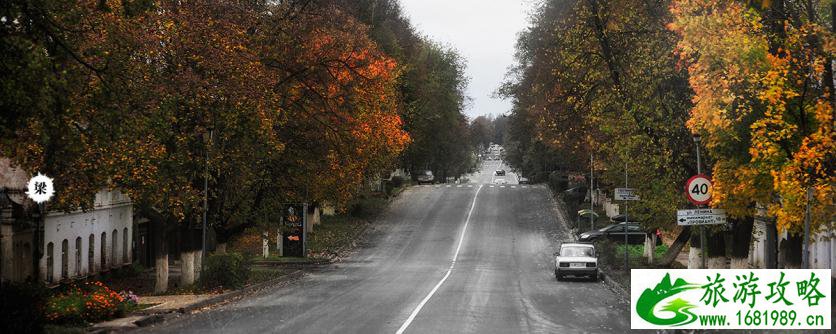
column 633, row 228
column 577, row 251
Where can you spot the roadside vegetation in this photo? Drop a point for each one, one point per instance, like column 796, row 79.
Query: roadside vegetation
column 631, row 85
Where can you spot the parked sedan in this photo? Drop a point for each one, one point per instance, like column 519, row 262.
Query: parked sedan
column 576, row 259
column 615, row 232
column 500, row 172
column 426, row 177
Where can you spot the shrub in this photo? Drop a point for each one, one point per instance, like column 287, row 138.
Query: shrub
column 229, row 270
column 367, row 207
column 90, row 302
column 397, row 181
column 22, row 307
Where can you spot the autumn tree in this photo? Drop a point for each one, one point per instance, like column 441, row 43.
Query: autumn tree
column 761, row 72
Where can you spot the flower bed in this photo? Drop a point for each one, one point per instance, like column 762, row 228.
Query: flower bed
column 87, row 303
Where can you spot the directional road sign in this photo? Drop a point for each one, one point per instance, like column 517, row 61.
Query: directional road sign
column 626, row 194
column 700, row 217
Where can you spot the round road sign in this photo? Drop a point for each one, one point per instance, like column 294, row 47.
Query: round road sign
column 698, row 189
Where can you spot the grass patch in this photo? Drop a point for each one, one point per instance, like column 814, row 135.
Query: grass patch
column 334, row 234
column 611, row 258
column 259, row 275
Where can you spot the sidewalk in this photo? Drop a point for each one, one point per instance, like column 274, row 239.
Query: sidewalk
column 167, row 306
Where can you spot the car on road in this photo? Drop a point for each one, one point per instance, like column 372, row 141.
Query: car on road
column 576, row 259
column 615, row 232
column 500, row 172
column 425, row 177
column 523, row 180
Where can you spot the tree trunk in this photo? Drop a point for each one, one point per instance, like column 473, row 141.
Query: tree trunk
column 741, row 240
column 716, row 243
column 186, row 268
column 676, row 247
column 198, row 264
column 650, row 247
column 159, row 245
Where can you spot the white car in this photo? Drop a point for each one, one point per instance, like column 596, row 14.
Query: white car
column 576, row 259
column 426, row 177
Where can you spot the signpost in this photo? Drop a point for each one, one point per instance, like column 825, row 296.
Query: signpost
column 693, row 217
column 626, row 194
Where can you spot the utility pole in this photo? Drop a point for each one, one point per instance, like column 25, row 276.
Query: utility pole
column 591, row 194
column 205, row 203
column 703, row 242
column 626, row 253
column 805, row 252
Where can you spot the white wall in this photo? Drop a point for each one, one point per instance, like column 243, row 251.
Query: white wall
column 822, row 248
column 112, row 211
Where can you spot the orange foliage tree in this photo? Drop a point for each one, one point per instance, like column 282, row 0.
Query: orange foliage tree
column 763, row 100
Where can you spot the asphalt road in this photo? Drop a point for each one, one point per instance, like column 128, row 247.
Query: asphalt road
column 404, row 279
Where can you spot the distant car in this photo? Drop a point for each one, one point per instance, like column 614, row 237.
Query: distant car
column 500, row 172
column 523, row 180
column 615, row 232
column 576, row 259
column 426, row 177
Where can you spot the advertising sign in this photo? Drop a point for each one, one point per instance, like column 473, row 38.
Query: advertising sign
column 730, row 299
column 293, row 219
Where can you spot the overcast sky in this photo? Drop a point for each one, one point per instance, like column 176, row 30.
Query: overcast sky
column 484, row 32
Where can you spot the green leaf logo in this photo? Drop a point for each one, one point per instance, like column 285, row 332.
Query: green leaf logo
column 664, row 290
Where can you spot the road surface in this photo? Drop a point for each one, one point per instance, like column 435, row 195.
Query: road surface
column 404, row 280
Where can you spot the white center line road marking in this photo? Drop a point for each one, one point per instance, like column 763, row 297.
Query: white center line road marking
column 449, row 269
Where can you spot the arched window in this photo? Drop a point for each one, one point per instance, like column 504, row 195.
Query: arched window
column 91, row 254
column 114, row 250
column 125, row 245
column 65, row 263
column 50, row 276
column 103, row 254
column 77, row 256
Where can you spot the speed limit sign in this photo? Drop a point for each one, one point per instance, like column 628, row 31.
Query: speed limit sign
column 698, row 189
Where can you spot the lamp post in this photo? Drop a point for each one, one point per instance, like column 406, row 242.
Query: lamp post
column 207, row 137
column 703, row 241
column 591, row 194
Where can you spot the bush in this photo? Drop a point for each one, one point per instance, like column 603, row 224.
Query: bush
column 91, row 302
column 367, row 207
column 397, row 181
column 558, row 182
column 22, row 307
column 229, row 270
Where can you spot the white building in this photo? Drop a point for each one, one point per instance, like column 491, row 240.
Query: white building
column 80, row 243
column 74, row 245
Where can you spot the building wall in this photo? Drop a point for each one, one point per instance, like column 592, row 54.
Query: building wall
column 112, row 212
column 822, row 248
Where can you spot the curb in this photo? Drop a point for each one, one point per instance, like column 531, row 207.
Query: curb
column 614, row 286
column 154, row 318
column 229, row 296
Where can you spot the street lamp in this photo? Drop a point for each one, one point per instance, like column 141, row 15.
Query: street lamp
column 207, row 139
